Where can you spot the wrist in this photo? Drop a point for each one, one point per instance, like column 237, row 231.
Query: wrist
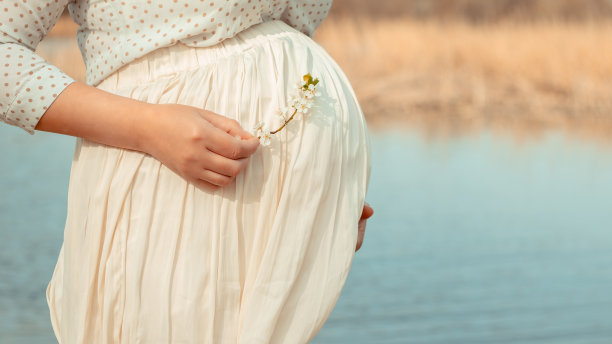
column 145, row 126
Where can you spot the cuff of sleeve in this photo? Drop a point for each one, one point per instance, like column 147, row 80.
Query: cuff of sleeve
column 42, row 86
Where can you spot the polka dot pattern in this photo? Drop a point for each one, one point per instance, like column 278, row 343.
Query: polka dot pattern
column 29, row 83
column 113, row 33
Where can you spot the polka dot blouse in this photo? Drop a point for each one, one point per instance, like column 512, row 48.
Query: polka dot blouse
column 114, row 32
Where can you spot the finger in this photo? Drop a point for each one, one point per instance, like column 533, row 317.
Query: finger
column 228, row 146
column 223, row 165
column 236, row 130
column 361, row 232
column 205, row 185
column 214, row 178
column 367, row 211
column 228, row 125
column 250, row 144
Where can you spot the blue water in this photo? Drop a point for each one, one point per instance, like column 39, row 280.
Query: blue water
column 475, row 239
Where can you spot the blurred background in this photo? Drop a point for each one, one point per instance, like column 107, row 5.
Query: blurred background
column 491, row 128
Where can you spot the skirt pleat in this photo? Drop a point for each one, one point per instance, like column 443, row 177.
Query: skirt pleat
column 148, row 257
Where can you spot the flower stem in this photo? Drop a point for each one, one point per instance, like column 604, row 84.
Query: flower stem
column 284, row 124
column 287, row 121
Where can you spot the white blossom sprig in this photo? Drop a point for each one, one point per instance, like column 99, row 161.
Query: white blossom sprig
column 301, row 102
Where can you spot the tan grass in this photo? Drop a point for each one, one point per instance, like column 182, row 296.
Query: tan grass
column 506, row 75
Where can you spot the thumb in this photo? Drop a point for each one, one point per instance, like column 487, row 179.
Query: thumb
column 239, row 133
column 230, row 126
column 367, row 211
column 250, row 144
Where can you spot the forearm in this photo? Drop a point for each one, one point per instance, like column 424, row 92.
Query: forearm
column 96, row 115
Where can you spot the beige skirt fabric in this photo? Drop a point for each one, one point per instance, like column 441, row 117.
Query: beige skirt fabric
column 149, row 258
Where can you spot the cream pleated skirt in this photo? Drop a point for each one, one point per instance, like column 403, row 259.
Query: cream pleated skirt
column 149, row 258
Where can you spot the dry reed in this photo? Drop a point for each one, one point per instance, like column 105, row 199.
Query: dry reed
column 456, row 76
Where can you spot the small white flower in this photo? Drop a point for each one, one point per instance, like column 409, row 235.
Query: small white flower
column 265, row 136
column 295, row 97
column 285, row 113
column 309, row 94
column 303, row 106
column 259, row 126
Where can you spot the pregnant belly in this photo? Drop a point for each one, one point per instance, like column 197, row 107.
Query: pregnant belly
column 149, row 244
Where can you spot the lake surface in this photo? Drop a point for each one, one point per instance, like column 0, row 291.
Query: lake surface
column 475, row 239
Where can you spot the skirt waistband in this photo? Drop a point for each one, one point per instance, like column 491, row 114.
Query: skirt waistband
column 166, row 61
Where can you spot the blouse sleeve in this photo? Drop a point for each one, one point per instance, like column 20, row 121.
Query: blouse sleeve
column 29, row 83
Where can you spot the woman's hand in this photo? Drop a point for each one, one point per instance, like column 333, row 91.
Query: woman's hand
column 198, row 145
column 204, row 148
column 366, row 213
